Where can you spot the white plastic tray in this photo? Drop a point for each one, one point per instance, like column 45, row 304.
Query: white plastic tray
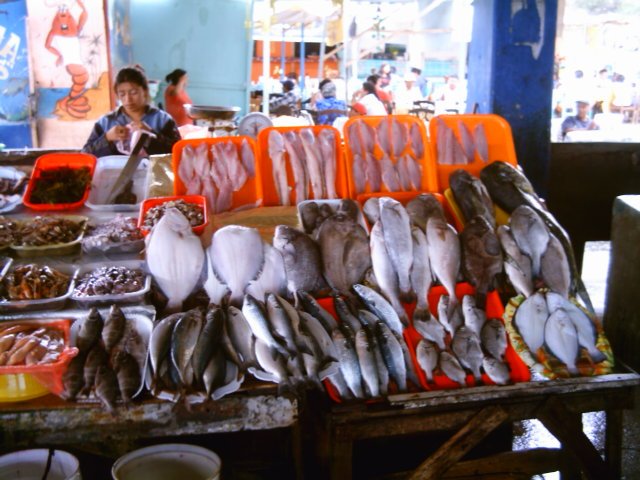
column 107, row 171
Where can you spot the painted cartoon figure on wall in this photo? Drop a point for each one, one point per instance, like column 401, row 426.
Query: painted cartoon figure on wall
column 63, row 41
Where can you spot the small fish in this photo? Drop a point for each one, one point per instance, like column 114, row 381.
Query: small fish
column 340, row 384
column 327, row 141
column 183, row 342
column 494, row 338
column 554, row 268
column 530, row 319
column 389, row 174
column 480, row 140
column 474, row 317
column 298, row 165
column 452, row 368
column 214, row 373
column 345, row 315
column 380, row 306
column 73, row 378
column 114, row 327
column 466, row 346
column 359, row 171
column 531, row 235
column 481, row 255
column 241, row 336
column 128, row 376
column 248, row 158
column 417, row 142
column 402, row 169
column 208, row 340
column 231, row 383
column 431, row 329
column 313, row 308
column 373, row 169
column 517, row 265
column 414, row 169
column 349, row 364
column 467, row 141
column 255, row 314
column 272, row 363
column 496, row 370
column 561, row 337
column 90, row 331
column 412, row 375
column 280, row 323
column 279, row 168
column 314, row 162
column 421, row 277
column 392, row 354
column 427, row 355
column 367, row 361
column 450, row 318
column 96, row 358
column 312, row 327
column 160, row 341
column 302, row 261
column 107, row 387
column 472, row 197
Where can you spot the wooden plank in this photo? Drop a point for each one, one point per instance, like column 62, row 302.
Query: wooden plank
column 555, row 415
column 613, row 442
column 483, row 423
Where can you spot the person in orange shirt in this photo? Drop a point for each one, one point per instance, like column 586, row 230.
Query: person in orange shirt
column 175, row 97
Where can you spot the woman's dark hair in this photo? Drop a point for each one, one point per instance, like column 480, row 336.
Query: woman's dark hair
column 373, row 78
column 174, row 77
column 369, row 88
column 131, row 75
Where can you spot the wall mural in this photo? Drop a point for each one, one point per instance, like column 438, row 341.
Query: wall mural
column 68, row 43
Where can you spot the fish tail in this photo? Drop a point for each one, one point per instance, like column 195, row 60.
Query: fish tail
column 407, row 296
column 421, row 314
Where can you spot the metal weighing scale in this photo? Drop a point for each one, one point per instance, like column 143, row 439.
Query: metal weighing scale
column 219, row 120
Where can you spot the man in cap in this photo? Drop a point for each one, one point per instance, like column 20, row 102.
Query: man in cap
column 328, row 106
column 579, row 121
column 288, row 100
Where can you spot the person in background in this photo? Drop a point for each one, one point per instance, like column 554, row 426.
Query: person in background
column 368, row 102
column 385, row 75
column 407, row 94
column 602, row 92
column 383, row 96
column 421, row 82
column 329, row 102
column 317, row 96
column 112, row 134
column 176, row 96
column 579, row 121
column 288, row 101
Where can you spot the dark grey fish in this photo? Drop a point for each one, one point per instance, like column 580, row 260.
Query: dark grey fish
column 107, row 387
column 160, row 341
column 114, row 327
column 472, row 197
column 208, row 341
column 89, row 331
column 422, row 208
column 96, row 358
column 214, row 373
column 344, row 313
column 128, row 376
column 73, row 378
column 309, row 214
column 313, row 308
column 349, row 208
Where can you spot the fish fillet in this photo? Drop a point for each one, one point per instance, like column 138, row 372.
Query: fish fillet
column 279, row 168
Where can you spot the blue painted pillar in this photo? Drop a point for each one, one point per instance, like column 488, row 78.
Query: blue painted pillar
column 302, row 59
column 511, row 74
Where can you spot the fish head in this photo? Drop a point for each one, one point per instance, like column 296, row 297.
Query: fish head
column 349, row 208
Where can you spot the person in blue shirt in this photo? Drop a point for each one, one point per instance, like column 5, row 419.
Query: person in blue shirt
column 112, row 134
column 328, row 101
column 580, row 121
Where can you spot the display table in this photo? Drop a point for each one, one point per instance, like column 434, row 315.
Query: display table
column 475, row 412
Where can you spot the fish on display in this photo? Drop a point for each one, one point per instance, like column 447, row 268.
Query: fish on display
column 175, row 257
column 297, row 160
column 241, row 336
column 349, row 363
column 96, row 358
column 377, row 304
column 327, row 141
column 472, row 196
column 371, row 210
column 481, row 255
column 128, row 375
column 554, row 268
column 383, row 269
column 396, row 228
column 90, row 331
column 450, row 318
column 272, row 278
column 480, row 140
column 256, row 316
column 517, row 265
column 422, row 207
column 114, row 327
column 248, row 158
column 160, row 343
column 494, row 337
column 496, row 370
column 366, row 169
column 273, row 365
column 530, row 320
column 561, row 338
column 367, row 361
column 280, row 323
column 444, row 254
column 451, row 368
column 345, row 315
column 314, row 162
column 427, row 355
column 531, row 235
column 279, row 167
column 107, row 387
column 467, row 142
column 313, row 308
column 73, row 377
column 466, row 346
column 474, row 317
column 421, row 277
column 183, row 343
column 322, row 344
column 431, row 329
column 208, row 340
column 392, row 354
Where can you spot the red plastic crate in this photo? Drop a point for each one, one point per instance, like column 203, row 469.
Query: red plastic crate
column 152, row 202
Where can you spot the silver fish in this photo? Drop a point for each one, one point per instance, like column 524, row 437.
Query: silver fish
column 427, row 355
column 279, row 168
column 431, row 329
column 371, row 209
column 466, row 346
column 402, row 168
column 114, row 327
column 496, row 370
column 393, row 355
column 90, row 331
column 467, row 141
column 417, row 143
column 297, row 158
column 302, row 262
column 396, row 228
column 452, row 368
column 241, row 337
column 369, row 322
column 214, row 373
column 530, row 319
column 373, row 169
column 531, row 235
column 517, row 265
column 412, row 375
column 312, row 307
column 231, row 383
column 474, row 317
column 256, row 316
column 272, row 363
column 444, row 254
column 349, row 364
column 280, row 322
column 380, row 306
column 561, row 338
column 107, row 387
column 450, row 318
column 329, row 354
column 494, row 337
column 160, row 341
column 340, row 384
column 327, row 141
column 422, row 207
column 367, row 361
column 399, row 135
column 248, row 158
column 272, row 278
column 183, row 342
column 208, row 340
column 414, row 167
column 554, row 267
column 383, row 130
column 421, row 277
column 314, row 162
column 345, row 315
column 384, row 270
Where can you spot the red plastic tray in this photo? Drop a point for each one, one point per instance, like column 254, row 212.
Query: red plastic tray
column 52, row 161
column 152, row 202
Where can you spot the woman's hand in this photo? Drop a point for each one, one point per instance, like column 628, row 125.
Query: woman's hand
column 134, row 126
column 117, row 132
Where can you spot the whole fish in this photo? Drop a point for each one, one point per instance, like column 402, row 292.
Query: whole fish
column 349, row 208
column 427, row 355
column 90, row 331
column 183, row 343
column 422, row 207
column 237, row 256
column 517, row 265
column 421, row 277
column 344, row 248
column 175, row 257
column 272, row 278
column 467, row 142
column 248, row 158
column 241, row 336
column 272, row 363
column 531, row 235
column 412, row 375
column 281, row 327
column 312, row 307
column 450, row 318
column 466, row 346
column 496, row 370
column 474, row 317
column 349, row 364
column 472, row 197
column 481, row 255
column 480, row 140
column 584, row 326
column 393, row 355
column 297, row 158
column 367, row 361
column 379, row 306
column 235, row 170
column 128, row 376
column 231, row 382
column 302, row 261
column 254, row 313
column 494, row 338
column 561, row 338
column 279, row 167
column 310, row 216
column 96, row 358
column 444, row 254
column 431, row 329
column 359, row 172
column 530, row 319
column 339, row 383
column 345, row 315
column 214, row 373
column 554, row 268
column 107, row 387
column 114, row 327
column 186, row 170
column 369, row 322
column 160, row 342
column 383, row 268
column 208, row 340
column 73, row 377
column 219, row 173
column 384, row 134
column 312, row 327
column 327, row 141
column 399, row 135
column 452, row 368
column 314, row 162
column 396, row 228
column 371, row 210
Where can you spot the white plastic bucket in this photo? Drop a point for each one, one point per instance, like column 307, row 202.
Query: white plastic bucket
column 170, row 461
column 31, row 464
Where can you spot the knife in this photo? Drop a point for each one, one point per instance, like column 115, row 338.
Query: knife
column 129, row 169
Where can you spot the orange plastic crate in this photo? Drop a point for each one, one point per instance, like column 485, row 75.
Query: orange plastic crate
column 152, row 202
column 499, row 140
column 429, row 175
column 265, row 166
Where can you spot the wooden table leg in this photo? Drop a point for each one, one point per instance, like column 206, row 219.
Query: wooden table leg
column 341, row 456
column 613, row 442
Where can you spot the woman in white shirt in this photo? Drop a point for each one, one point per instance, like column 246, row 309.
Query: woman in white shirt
column 369, row 103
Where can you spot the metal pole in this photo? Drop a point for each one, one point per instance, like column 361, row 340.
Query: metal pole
column 302, row 55
column 323, row 47
column 282, row 56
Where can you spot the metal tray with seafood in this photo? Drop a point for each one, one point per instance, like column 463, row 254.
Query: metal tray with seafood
column 12, row 185
column 110, row 281
column 52, row 249
column 105, row 236
column 33, row 286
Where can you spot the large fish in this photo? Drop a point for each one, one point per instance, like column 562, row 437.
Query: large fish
column 237, row 257
column 517, row 265
column 255, row 314
column 272, row 278
column 241, row 337
column 302, row 261
column 494, row 337
column 175, row 257
column 367, row 361
column 422, row 207
column 327, row 141
column 383, row 269
column 561, row 338
column 452, row 368
column 315, row 165
column 279, row 167
column 466, row 346
column 444, row 254
column 427, row 355
column 396, row 228
column 392, row 354
column 431, row 329
column 471, row 196
column 183, row 342
column 349, row 363
column 297, row 159
column 531, row 235
column 90, row 331
column 381, row 307
column 421, row 278
column 481, row 255
column 530, row 319
column 554, row 268
column 344, row 247
column 208, row 340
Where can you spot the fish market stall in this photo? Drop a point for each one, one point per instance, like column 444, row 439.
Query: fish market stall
column 416, row 282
